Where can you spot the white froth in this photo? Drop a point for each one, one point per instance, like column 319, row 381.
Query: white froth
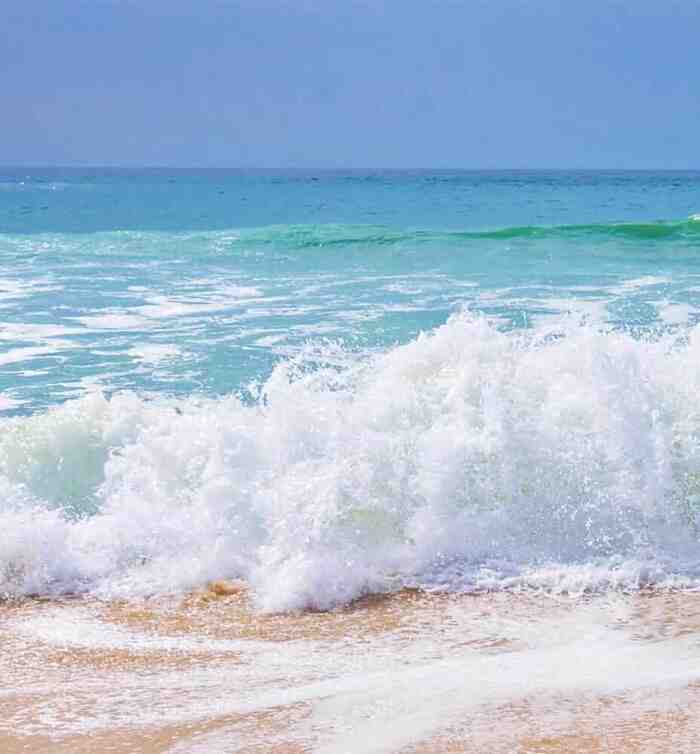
column 17, row 355
column 470, row 458
column 114, row 320
column 153, row 353
column 81, row 630
column 7, row 402
column 675, row 314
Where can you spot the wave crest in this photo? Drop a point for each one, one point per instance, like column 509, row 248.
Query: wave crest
column 331, row 235
column 468, row 458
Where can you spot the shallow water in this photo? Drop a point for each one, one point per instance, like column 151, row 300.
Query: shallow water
column 411, row 672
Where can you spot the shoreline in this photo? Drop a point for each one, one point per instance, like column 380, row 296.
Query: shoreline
column 408, row 673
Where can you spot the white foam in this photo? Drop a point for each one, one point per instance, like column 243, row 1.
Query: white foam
column 270, row 340
column 7, row 402
column 24, row 331
column 16, row 355
column 564, row 457
column 675, row 314
column 12, row 289
column 80, row 629
column 114, row 320
column 154, row 353
column 646, row 281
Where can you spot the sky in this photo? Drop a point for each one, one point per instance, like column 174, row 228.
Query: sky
column 344, row 84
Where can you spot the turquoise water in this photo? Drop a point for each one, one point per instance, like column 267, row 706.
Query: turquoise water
column 181, row 282
column 333, row 383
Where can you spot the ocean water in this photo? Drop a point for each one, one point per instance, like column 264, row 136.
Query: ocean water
column 334, row 384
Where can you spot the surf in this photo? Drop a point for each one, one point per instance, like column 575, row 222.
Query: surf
column 563, row 458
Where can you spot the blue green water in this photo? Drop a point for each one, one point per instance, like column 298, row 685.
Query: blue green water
column 186, row 281
column 330, row 384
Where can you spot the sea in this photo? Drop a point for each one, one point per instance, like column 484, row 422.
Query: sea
column 349, row 462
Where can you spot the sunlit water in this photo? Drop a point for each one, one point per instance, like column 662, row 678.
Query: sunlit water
column 335, row 385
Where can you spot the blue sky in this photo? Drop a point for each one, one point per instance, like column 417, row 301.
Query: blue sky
column 473, row 84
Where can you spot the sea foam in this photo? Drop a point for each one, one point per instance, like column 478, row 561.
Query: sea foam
column 563, row 457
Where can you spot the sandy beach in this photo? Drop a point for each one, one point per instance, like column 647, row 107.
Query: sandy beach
column 410, row 672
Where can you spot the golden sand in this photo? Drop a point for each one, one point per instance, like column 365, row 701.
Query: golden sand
column 75, row 696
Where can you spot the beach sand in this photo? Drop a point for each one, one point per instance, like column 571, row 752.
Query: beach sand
column 410, row 672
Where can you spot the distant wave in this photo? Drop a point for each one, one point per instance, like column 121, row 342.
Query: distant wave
column 344, row 235
column 303, row 236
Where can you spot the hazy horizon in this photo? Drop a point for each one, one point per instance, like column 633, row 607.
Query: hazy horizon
column 342, row 169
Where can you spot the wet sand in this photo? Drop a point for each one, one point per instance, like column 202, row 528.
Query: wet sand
column 409, row 673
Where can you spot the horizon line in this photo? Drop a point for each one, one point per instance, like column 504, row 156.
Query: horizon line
column 329, row 169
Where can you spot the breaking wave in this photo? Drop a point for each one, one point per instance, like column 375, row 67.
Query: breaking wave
column 469, row 458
